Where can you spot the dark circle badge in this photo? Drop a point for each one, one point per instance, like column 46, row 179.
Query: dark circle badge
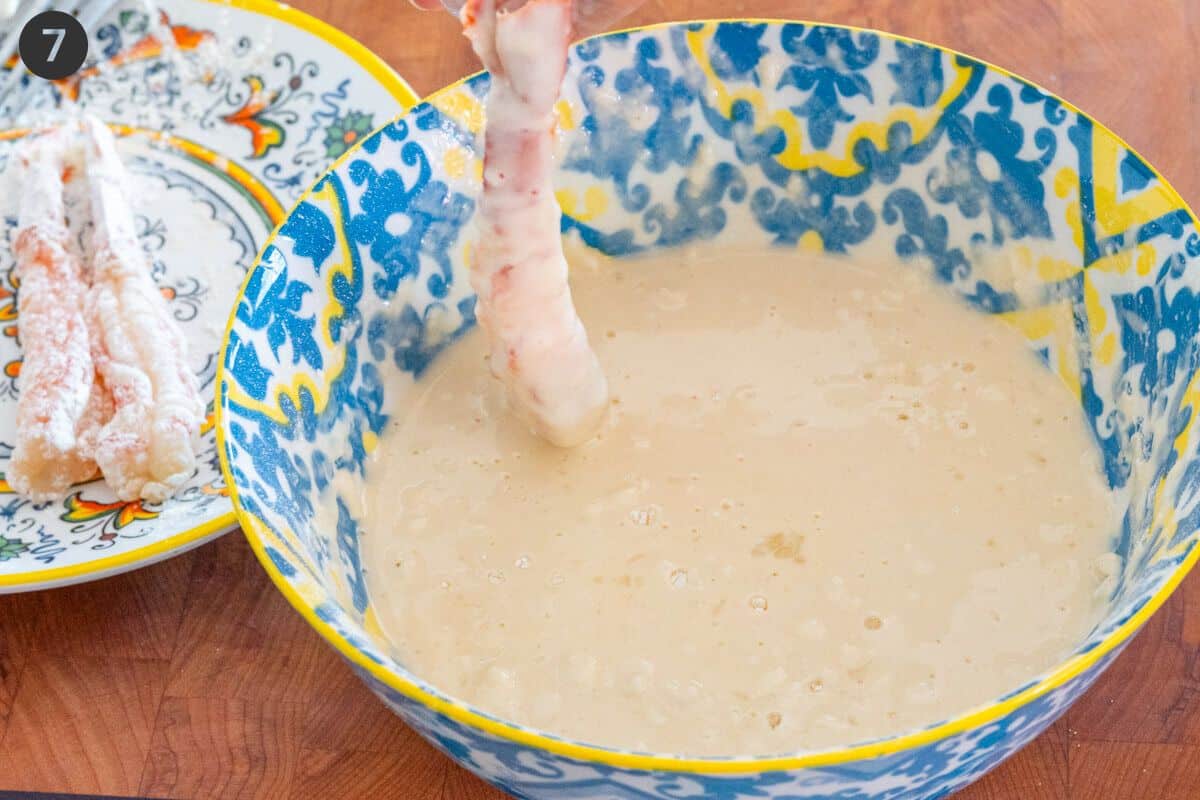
column 53, row 45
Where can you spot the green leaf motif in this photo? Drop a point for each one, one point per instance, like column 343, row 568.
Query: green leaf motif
column 11, row 548
column 344, row 132
column 133, row 21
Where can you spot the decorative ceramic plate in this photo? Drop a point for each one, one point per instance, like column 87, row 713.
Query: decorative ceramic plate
column 221, row 130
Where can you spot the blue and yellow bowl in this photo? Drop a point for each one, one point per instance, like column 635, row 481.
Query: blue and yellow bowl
column 793, row 134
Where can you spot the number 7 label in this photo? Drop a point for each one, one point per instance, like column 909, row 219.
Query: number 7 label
column 53, row 45
column 58, row 34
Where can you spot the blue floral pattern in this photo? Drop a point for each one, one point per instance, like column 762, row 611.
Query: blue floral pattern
column 785, row 134
column 829, row 64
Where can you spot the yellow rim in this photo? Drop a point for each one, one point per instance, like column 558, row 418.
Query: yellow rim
column 240, row 175
column 399, row 89
column 132, row 558
column 358, row 52
column 504, row 730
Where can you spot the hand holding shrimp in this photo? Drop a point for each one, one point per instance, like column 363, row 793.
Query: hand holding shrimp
column 588, row 16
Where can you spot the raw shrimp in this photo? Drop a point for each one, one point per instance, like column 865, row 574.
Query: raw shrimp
column 61, row 402
column 539, row 348
column 146, row 449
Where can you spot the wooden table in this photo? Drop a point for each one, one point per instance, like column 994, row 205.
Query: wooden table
column 193, row 678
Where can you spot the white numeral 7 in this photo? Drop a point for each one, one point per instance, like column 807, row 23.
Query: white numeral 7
column 58, row 34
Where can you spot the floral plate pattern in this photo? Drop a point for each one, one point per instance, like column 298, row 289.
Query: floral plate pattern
column 222, row 129
column 785, row 133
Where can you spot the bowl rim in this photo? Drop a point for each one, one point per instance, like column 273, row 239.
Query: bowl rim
column 425, row 693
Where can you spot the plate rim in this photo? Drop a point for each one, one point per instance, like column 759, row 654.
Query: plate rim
column 96, row 569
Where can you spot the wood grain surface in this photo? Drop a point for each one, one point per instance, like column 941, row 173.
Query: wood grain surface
column 194, row 679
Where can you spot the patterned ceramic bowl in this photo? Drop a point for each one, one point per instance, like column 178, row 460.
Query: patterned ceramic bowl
column 786, row 133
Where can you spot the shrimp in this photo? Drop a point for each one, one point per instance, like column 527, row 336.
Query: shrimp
column 539, row 348
column 147, row 448
column 62, row 404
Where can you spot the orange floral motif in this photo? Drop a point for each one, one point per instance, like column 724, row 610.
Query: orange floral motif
column 213, row 489
column 148, row 46
column 8, row 313
column 264, row 133
column 119, row 513
column 8, row 308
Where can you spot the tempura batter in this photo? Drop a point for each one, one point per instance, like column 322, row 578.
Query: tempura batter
column 829, row 503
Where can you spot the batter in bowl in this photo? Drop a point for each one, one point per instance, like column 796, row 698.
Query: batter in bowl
column 829, row 503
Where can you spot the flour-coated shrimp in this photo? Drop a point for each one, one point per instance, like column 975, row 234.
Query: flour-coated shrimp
column 147, row 449
column 61, row 403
